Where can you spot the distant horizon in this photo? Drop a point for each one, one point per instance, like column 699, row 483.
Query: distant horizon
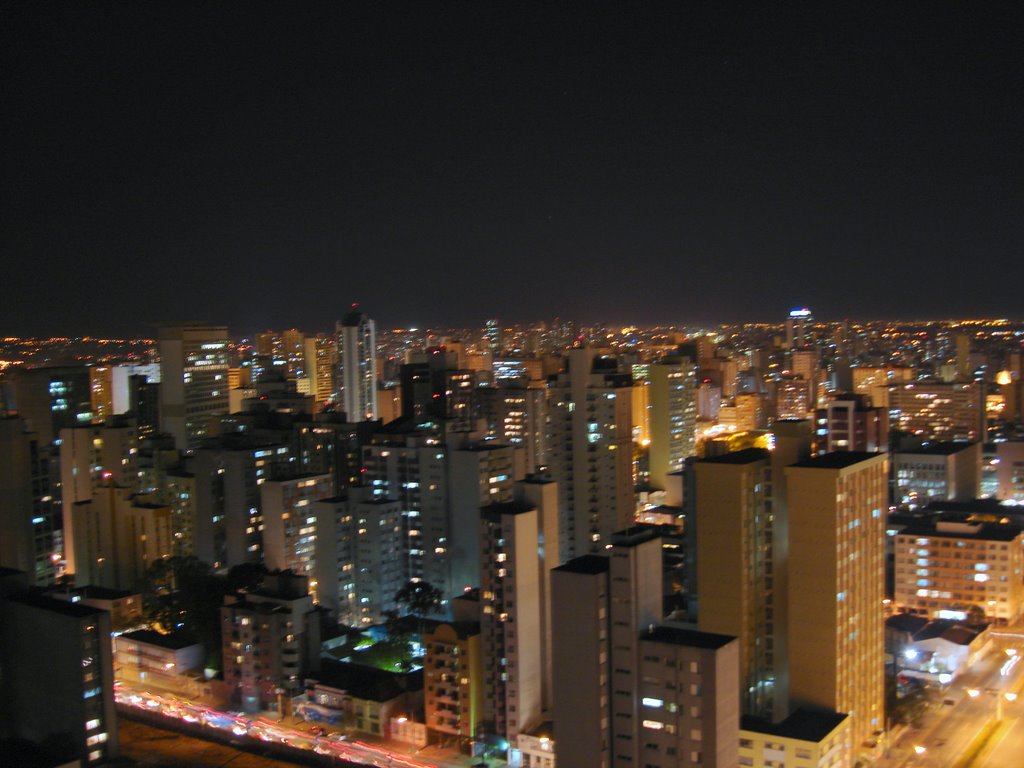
column 391, row 328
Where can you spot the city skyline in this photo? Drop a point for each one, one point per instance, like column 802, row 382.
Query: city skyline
column 643, row 166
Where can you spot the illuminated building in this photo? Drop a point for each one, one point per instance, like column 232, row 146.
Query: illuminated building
column 55, row 657
column 874, row 382
column 290, row 529
column 114, row 537
column 356, row 379
column 510, row 626
column 938, row 471
column 193, row 381
column 935, row 410
column 847, row 423
column 150, row 658
column 453, row 696
column 792, row 397
column 805, row 364
column 836, row 508
column 1010, row 470
column 293, row 345
column 741, row 552
column 51, row 399
column 271, row 641
column 798, row 328
column 228, row 475
column 628, row 691
column 589, row 443
column 440, row 489
column 30, row 522
column 90, row 459
column 751, row 413
column 101, row 392
column 806, row 739
column 321, row 361
column 492, row 335
column 954, row 570
column 673, row 416
column 514, row 411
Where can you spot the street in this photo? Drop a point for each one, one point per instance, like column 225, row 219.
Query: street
column 969, row 705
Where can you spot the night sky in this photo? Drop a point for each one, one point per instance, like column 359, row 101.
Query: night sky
column 265, row 165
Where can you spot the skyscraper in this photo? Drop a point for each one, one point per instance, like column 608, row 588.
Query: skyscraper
column 673, row 416
column 193, row 380
column 837, row 504
column 357, row 365
column 590, row 451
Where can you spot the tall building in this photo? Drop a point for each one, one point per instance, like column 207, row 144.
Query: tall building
column 453, row 699
column 938, row 471
column 193, row 381
column 271, row 640
column 627, row 690
column 290, row 525
column 50, row 399
column 321, row 360
column 848, row 423
column 56, row 667
column 957, row 570
column 837, row 504
column 590, row 451
column 935, row 410
column 356, row 380
column 736, row 571
column 672, row 393
column 510, row 626
column 30, row 515
column 798, row 328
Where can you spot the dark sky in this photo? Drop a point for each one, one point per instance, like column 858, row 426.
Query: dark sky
column 265, row 165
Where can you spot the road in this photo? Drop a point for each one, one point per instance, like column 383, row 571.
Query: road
column 948, row 733
column 254, row 730
column 149, row 746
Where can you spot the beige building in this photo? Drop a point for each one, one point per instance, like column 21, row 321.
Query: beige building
column 950, row 471
column 805, row 739
column 836, row 507
column 453, row 680
column 589, row 442
column 672, row 393
column 510, row 621
column 874, row 382
column 935, row 410
column 193, row 381
column 735, row 569
column 951, row 570
column 1010, row 470
column 627, row 690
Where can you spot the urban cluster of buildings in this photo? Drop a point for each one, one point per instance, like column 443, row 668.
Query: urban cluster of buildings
column 652, row 547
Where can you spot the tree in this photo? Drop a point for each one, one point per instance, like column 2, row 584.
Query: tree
column 420, row 598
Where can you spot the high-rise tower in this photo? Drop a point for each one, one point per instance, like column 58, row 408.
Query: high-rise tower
column 357, row 365
column 193, row 380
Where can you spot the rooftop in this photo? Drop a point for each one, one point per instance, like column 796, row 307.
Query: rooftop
column 103, row 593
column 836, row 460
column 588, row 564
column 746, row 456
column 173, row 642
column 42, row 602
column 938, row 449
column 689, row 637
column 367, row 683
column 971, row 531
column 804, row 725
column 634, row 535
